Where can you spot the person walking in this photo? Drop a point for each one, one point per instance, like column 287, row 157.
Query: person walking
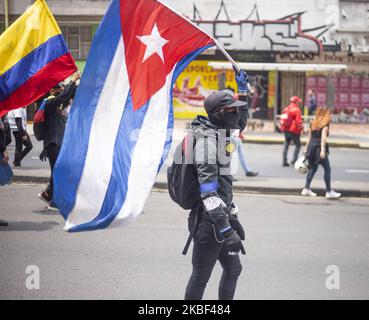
column 312, row 101
column 242, row 156
column 316, row 151
column 292, row 126
column 55, row 121
column 18, row 124
column 217, row 232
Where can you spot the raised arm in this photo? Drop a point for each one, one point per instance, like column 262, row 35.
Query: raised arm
column 66, row 95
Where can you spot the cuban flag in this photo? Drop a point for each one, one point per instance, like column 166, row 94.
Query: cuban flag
column 119, row 130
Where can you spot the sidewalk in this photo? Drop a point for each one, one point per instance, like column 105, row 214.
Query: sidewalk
column 263, row 185
column 342, row 135
column 280, row 186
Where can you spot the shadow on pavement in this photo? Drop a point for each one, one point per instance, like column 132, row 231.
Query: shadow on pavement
column 29, row 226
column 46, row 212
column 318, row 201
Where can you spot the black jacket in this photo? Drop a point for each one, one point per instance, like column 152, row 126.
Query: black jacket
column 212, row 163
column 54, row 118
column 5, row 136
column 2, row 143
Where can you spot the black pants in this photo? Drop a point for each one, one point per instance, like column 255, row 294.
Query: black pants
column 327, row 173
column 204, row 257
column 20, row 153
column 289, row 136
column 52, row 151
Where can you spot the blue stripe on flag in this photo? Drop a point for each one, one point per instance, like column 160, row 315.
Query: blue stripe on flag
column 70, row 163
column 29, row 65
column 125, row 143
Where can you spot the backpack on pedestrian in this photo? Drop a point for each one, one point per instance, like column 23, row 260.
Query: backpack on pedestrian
column 183, row 186
column 285, row 120
column 39, row 124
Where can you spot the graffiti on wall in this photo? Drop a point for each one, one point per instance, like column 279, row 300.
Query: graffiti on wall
column 283, row 34
column 357, row 62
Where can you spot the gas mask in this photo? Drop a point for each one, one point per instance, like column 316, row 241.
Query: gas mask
column 225, row 119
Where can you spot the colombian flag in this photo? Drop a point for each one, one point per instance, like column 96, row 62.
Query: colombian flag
column 33, row 58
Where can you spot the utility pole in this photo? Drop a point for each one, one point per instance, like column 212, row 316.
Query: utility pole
column 6, row 14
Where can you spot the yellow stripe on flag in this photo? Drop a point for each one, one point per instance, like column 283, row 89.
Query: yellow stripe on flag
column 34, row 27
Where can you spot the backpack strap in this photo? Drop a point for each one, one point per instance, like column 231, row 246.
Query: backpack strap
column 187, row 153
column 192, row 233
column 187, row 245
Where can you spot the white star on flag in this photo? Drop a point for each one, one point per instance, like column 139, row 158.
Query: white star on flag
column 154, row 44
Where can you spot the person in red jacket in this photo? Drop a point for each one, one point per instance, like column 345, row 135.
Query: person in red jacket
column 292, row 125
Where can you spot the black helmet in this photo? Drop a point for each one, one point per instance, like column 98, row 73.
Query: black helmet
column 219, row 100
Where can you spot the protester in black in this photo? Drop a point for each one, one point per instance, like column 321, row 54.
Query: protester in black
column 55, row 121
column 217, row 233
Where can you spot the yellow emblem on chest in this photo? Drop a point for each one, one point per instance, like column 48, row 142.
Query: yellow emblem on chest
column 230, row 147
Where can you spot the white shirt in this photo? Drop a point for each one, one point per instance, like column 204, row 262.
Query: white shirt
column 17, row 113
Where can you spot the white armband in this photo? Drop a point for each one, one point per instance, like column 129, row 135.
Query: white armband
column 213, row 202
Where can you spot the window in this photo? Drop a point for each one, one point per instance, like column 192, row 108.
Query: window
column 78, row 39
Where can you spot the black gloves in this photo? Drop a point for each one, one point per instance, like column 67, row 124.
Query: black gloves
column 43, row 155
column 236, row 226
column 233, row 242
column 234, row 236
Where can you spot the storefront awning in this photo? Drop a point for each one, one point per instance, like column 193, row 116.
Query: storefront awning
column 288, row 67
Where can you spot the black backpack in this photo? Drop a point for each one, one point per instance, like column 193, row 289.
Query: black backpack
column 183, row 185
column 39, row 124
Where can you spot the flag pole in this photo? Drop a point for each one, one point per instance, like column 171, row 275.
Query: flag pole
column 234, row 64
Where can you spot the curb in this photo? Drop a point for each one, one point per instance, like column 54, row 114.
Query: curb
column 30, row 179
column 353, row 145
column 347, row 193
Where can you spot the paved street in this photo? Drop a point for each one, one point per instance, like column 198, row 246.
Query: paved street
column 290, row 243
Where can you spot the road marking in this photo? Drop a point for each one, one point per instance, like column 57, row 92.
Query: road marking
column 356, row 171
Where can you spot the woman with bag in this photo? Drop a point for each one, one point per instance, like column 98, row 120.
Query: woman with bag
column 316, row 151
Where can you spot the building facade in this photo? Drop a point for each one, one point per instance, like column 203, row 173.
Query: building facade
column 310, row 32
